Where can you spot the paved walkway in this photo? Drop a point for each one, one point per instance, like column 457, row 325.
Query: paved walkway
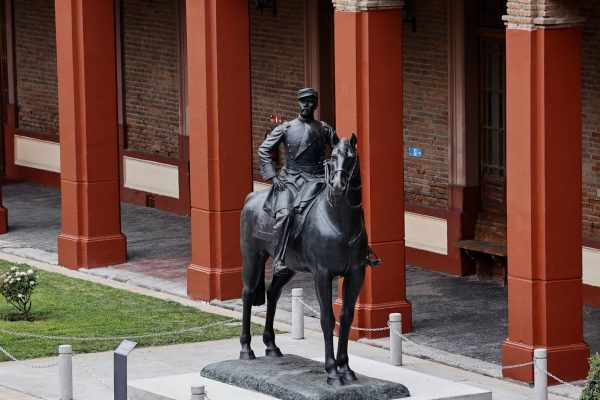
column 464, row 316
column 153, row 362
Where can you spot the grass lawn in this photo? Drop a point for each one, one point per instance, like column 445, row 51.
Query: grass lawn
column 64, row 306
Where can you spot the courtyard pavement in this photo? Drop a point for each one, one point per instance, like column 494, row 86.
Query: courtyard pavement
column 457, row 316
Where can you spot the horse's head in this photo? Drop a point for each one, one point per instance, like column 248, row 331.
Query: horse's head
column 344, row 162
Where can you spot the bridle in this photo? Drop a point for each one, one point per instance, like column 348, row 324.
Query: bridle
column 331, row 170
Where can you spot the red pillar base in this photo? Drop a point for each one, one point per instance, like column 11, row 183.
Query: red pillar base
column 91, row 252
column 215, row 271
column 3, row 220
column 567, row 362
column 206, row 283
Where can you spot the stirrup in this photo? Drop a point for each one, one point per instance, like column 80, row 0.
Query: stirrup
column 371, row 259
column 373, row 262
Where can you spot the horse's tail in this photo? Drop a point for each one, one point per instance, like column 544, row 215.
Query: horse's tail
column 259, row 294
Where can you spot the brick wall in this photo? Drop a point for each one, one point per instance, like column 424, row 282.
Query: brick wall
column 150, row 37
column 37, row 88
column 591, row 118
column 277, row 66
column 426, row 105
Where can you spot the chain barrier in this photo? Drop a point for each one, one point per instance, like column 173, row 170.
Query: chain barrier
column 551, row 375
column 103, row 339
column 518, row 365
column 34, row 366
column 430, row 352
column 99, row 339
column 525, row 364
column 91, row 373
column 318, row 315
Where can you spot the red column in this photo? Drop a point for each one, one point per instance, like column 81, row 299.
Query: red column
column 368, row 79
column 220, row 143
column 543, row 149
column 10, row 124
column 87, row 104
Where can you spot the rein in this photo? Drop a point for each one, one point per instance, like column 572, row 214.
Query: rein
column 330, row 173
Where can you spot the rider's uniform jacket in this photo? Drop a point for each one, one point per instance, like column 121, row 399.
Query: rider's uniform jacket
column 304, row 144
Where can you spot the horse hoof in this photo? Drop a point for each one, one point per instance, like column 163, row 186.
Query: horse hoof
column 339, row 381
column 247, row 355
column 349, row 376
column 273, row 352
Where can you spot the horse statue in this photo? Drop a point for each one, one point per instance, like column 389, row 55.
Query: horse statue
column 332, row 243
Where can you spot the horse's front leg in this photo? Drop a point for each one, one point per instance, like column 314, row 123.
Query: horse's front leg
column 323, row 281
column 352, row 285
column 273, row 293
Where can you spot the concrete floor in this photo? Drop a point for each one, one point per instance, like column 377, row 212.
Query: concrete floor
column 465, row 316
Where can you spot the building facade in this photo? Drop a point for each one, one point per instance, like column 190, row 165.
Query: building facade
column 476, row 121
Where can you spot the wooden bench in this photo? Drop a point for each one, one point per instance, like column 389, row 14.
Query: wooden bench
column 479, row 251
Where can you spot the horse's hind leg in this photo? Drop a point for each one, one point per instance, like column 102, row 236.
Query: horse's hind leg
column 352, row 285
column 252, row 274
column 273, row 293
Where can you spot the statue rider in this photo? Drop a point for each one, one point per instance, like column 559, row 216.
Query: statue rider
column 302, row 177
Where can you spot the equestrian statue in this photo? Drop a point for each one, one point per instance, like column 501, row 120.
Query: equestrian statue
column 310, row 220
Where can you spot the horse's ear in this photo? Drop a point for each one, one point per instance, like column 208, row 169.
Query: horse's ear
column 353, row 139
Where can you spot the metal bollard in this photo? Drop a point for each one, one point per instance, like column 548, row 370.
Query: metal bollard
column 198, row 392
column 540, row 379
column 297, row 314
column 395, row 340
column 65, row 371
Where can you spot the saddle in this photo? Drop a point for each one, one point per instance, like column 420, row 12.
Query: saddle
column 263, row 229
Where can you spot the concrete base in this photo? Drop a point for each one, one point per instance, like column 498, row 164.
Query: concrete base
column 421, row 386
column 178, row 387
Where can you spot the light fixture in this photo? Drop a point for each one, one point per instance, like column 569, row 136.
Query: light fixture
column 262, row 4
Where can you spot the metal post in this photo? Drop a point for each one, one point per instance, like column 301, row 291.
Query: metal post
column 198, row 392
column 395, row 339
column 65, row 371
column 120, row 369
column 297, row 314
column 540, row 379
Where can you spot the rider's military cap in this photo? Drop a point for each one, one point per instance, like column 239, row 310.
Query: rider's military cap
column 307, row 92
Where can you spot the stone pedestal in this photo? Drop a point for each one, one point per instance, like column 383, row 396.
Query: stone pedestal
column 297, row 378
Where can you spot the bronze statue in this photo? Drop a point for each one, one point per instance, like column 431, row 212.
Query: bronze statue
column 326, row 234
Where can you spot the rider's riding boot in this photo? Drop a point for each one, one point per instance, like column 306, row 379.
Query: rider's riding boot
column 372, row 259
column 280, row 238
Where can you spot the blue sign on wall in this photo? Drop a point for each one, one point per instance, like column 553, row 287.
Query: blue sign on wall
column 415, row 152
